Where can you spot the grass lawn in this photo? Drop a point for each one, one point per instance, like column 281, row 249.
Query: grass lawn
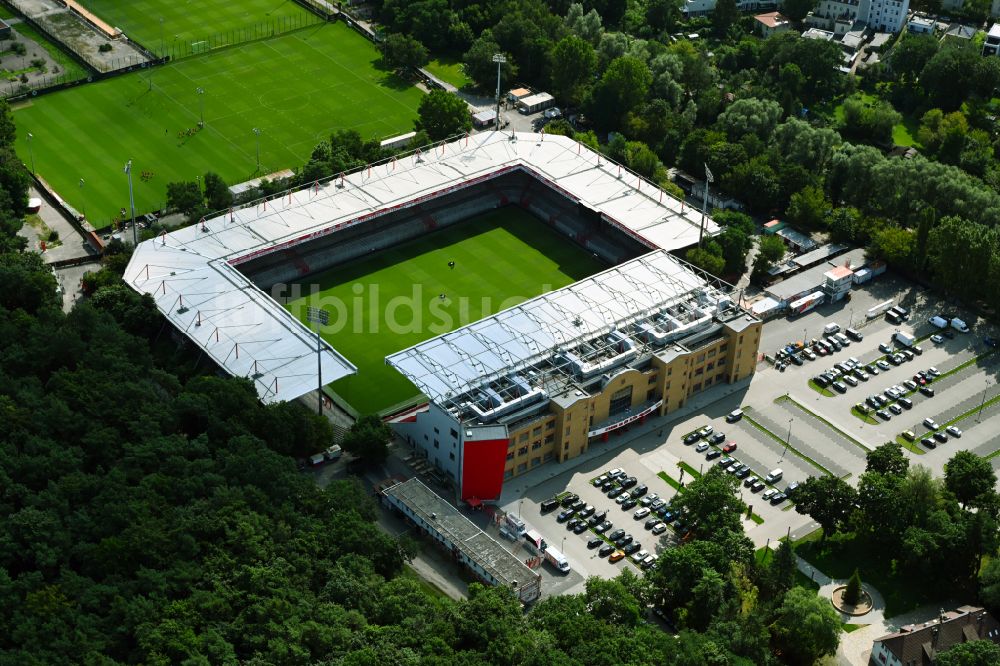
column 501, row 258
column 841, row 554
column 296, row 88
column 450, row 71
column 190, row 22
column 68, row 67
column 764, row 554
column 903, row 134
column 6, row 13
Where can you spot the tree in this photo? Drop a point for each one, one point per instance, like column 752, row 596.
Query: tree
column 796, row 10
column 750, row 116
column 969, row 477
column 442, row 114
column 983, row 652
column 479, row 65
column 707, row 260
column 662, row 14
column 911, row 53
column 772, row 248
column 828, row 500
column 782, row 569
column 807, row 146
column 369, row 439
column 805, row 627
column 185, row 197
column 217, row 194
column 887, row 459
column 724, row 15
column 892, row 244
column 574, row 62
column 622, row 87
column 852, row 594
column 404, row 52
column 711, row 504
column 989, row 585
column 808, row 208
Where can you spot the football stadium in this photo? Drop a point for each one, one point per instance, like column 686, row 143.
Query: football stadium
column 592, row 325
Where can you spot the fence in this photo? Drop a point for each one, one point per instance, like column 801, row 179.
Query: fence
column 257, row 31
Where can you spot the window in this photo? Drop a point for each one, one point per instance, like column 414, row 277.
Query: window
column 507, row 473
column 549, row 439
column 537, row 444
column 566, row 446
column 454, row 433
column 699, row 371
column 670, row 371
column 567, row 430
column 451, row 455
column 436, row 444
column 523, row 467
column 537, row 460
column 696, row 387
column 510, row 444
column 536, row 432
column 547, row 456
column 510, row 456
column 652, row 379
column 436, row 431
column 723, row 348
column 740, row 341
column 710, row 366
column 550, row 425
column 620, row 401
column 720, row 377
column 650, row 394
column 711, row 353
column 701, row 357
column 522, row 451
column 708, row 382
column 721, row 362
column 523, row 437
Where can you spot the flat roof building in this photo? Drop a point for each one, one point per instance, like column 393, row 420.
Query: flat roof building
column 546, row 379
column 482, row 554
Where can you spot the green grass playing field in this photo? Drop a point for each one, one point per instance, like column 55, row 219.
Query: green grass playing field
column 187, row 21
column 296, row 88
column 501, row 259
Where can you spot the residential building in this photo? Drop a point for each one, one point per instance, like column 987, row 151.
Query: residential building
column 771, row 23
column 920, row 644
column 992, row 44
column 920, row 25
column 703, row 7
column 841, row 16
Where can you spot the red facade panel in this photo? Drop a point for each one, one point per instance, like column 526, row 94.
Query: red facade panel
column 482, row 468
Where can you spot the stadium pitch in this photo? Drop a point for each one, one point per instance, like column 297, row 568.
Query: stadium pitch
column 393, row 299
column 190, row 20
column 296, row 88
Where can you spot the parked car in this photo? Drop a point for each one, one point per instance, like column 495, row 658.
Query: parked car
column 631, row 548
column 659, row 528
column 629, row 482
column 617, row 534
column 580, row 528
column 624, row 540
column 701, row 447
column 839, row 387
column 706, row 431
column 714, row 453
column 599, row 481
column 606, row 550
column 937, row 338
column 616, row 556
column 729, row 447
column 895, row 409
column 549, row 505
column 769, row 493
column 757, row 486
column 564, row 515
column 594, row 542
column 882, row 365
column 779, row 498
column 929, row 443
column 749, row 481
column 586, row 511
column 725, row 462
column 649, row 499
column 927, row 390
column 743, row 472
column 692, row 438
column 909, row 435
column 851, row 380
column 640, row 513
column 953, row 431
column 603, row 527
column 885, row 348
column 717, row 438
column 882, row 414
column 615, row 492
column 629, row 503
column 940, row 436
column 930, row 424
column 570, row 500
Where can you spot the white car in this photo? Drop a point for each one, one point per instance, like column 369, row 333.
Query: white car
column 641, row 513
column 649, row 499
column 659, row 528
column 769, row 493
column 703, row 446
column 937, row 339
column 930, row 424
column 621, row 499
column 953, row 431
column 640, row 556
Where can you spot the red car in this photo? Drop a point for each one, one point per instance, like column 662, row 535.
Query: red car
column 729, row 447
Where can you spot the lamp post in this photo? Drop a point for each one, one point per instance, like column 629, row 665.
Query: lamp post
column 31, row 151
column 709, row 178
column 256, row 131
column 131, row 203
column 788, row 438
column 82, row 200
column 499, row 59
column 982, row 403
column 201, row 104
column 320, row 317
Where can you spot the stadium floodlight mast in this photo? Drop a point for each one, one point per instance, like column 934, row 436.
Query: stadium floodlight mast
column 131, row 203
column 31, row 151
column 82, row 200
column 256, row 131
column 320, row 317
column 709, row 178
column 201, row 104
column 499, row 59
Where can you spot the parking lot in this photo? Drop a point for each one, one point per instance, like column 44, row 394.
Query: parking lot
column 821, row 433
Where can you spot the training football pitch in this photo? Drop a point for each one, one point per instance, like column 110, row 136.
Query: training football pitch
column 296, row 89
column 392, row 300
column 187, row 21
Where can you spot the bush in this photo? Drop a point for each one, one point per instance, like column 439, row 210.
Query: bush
column 852, row 595
column 19, row 48
column 53, row 236
column 104, row 48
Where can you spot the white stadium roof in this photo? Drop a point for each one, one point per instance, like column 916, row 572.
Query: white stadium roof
column 454, row 363
column 192, row 273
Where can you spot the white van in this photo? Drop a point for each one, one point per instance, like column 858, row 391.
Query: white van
column 831, row 329
column 959, row 325
column 734, row 415
column 774, row 475
column 938, row 322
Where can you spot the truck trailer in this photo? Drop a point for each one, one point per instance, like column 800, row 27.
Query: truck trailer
column 557, row 559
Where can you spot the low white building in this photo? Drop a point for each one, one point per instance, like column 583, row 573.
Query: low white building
column 992, row 44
